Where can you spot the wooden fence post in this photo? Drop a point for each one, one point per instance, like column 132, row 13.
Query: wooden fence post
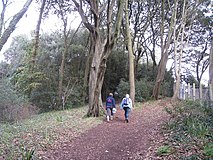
column 184, row 92
column 210, row 92
column 189, row 90
column 201, row 92
column 194, row 91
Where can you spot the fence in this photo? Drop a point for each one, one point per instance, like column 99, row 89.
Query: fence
column 191, row 92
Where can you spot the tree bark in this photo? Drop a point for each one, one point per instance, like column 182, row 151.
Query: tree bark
column 37, row 31
column 211, row 68
column 131, row 56
column 12, row 25
column 101, row 48
column 160, row 75
column 61, row 97
column 178, row 66
column 86, row 72
column 96, row 79
column 61, row 74
column 4, row 6
column 164, row 53
column 204, row 64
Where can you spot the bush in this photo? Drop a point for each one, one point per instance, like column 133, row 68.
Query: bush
column 123, row 88
column 191, row 127
column 164, row 150
column 167, row 85
column 13, row 106
column 75, row 98
column 143, row 89
column 9, row 96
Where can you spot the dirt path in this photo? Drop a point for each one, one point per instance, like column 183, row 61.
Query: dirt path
column 116, row 140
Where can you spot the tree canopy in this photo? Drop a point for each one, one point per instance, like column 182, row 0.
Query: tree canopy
column 72, row 66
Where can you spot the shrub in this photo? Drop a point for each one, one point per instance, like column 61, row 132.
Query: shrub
column 208, row 149
column 192, row 128
column 123, row 88
column 9, row 96
column 13, row 105
column 143, row 89
column 164, row 150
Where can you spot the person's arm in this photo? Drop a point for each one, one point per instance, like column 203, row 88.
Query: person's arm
column 121, row 105
column 106, row 103
column 130, row 104
column 113, row 101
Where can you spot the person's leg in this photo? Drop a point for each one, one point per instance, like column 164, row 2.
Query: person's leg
column 111, row 115
column 127, row 114
column 108, row 113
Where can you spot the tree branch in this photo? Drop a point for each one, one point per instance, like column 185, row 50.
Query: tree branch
column 13, row 23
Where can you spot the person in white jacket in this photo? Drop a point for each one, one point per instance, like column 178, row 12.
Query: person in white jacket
column 126, row 105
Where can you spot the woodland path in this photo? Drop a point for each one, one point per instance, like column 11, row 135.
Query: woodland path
column 116, row 140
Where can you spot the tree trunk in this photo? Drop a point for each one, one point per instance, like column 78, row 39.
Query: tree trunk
column 164, row 53
column 97, row 71
column 61, row 97
column 131, row 56
column 101, row 46
column 32, row 63
column 37, row 30
column 4, row 5
column 211, row 68
column 160, row 75
column 178, row 68
column 61, row 75
column 86, row 72
column 12, row 25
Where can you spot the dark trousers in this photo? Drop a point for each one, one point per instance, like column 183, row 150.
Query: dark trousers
column 126, row 113
column 109, row 112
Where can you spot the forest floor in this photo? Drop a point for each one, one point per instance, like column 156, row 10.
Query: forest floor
column 116, row 140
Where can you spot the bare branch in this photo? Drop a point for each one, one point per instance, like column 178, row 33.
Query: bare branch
column 83, row 17
column 13, row 23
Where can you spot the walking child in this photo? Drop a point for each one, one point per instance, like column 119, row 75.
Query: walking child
column 110, row 107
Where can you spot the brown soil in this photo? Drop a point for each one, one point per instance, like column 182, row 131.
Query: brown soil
column 116, row 140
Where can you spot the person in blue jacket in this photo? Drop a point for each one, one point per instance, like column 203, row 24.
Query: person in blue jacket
column 110, row 104
column 126, row 105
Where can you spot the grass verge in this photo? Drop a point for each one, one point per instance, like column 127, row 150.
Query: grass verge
column 29, row 137
column 190, row 131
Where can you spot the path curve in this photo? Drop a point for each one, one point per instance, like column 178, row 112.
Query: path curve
column 116, row 140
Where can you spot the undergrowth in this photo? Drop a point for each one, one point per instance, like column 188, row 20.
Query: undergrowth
column 26, row 139
column 190, row 130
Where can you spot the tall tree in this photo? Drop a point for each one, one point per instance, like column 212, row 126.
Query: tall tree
column 131, row 56
column 4, row 6
column 177, row 70
column 101, row 43
column 165, row 44
column 199, row 39
column 12, row 25
column 37, row 31
column 211, row 68
column 178, row 56
column 142, row 15
column 167, row 38
column 62, row 9
column 201, row 63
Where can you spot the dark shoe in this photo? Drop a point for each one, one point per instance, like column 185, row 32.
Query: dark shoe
column 127, row 121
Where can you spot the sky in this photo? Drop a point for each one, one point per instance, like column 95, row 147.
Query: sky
column 28, row 22
column 25, row 25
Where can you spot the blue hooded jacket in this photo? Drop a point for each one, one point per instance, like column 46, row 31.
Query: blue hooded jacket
column 110, row 102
